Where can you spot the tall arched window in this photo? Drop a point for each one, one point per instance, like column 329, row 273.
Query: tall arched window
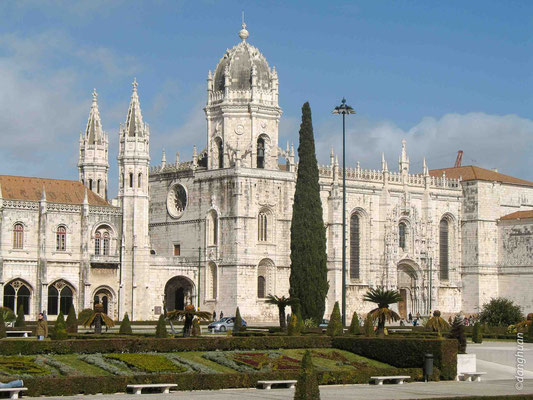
column 260, row 153
column 212, row 281
column 262, row 224
column 212, row 228
column 90, row 184
column 105, row 246
column 53, row 300
column 355, row 246
column 97, row 243
column 10, row 298
column 402, row 235
column 17, row 294
column 98, row 186
column 220, row 152
column 131, row 179
column 65, row 300
column 61, row 238
column 139, row 180
column 261, row 287
column 443, row 248
column 102, row 240
column 18, row 236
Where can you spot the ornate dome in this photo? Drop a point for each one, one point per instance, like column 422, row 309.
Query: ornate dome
column 239, row 62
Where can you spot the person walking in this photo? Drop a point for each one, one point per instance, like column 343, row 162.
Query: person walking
column 221, row 314
column 214, row 315
column 42, row 327
column 410, row 318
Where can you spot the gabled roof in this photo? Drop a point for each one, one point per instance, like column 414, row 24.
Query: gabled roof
column 56, row 190
column 519, row 215
column 473, row 173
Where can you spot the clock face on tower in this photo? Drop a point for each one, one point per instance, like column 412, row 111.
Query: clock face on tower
column 239, row 129
column 176, row 200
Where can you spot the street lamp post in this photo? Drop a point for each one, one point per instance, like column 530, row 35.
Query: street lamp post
column 343, row 110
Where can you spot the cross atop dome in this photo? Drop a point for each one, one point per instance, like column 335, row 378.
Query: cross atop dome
column 243, row 33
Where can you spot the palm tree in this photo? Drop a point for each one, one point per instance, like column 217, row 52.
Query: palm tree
column 282, row 302
column 98, row 318
column 383, row 298
column 436, row 323
column 188, row 314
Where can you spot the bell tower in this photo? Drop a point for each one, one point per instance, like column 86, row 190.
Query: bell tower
column 242, row 110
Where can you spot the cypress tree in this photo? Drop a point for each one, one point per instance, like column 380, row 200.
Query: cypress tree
column 20, row 322
column 125, row 326
column 72, row 320
column 161, row 328
column 477, row 336
column 60, row 329
column 458, row 332
column 335, row 327
column 308, row 279
column 368, row 327
column 237, row 326
column 2, row 326
column 354, row 329
column 307, row 384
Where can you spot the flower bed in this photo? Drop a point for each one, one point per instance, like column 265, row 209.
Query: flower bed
column 21, row 366
column 148, row 362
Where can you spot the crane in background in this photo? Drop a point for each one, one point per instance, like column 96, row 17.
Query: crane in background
column 459, row 159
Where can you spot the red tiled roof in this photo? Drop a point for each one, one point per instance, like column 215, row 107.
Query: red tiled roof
column 57, row 190
column 519, row 215
column 473, row 173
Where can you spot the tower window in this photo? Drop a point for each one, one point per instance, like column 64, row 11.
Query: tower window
column 18, row 236
column 262, row 231
column 98, row 186
column 131, row 179
column 61, row 238
column 97, row 243
column 177, row 250
column 402, row 234
column 139, row 180
column 260, row 153
column 443, row 249
column 261, row 287
column 355, row 246
column 90, row 184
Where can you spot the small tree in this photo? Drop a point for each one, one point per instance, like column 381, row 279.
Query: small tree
column 20, row 322
column 8, row 314
column 98, row 318
column 2, row 326
column 237, row 325
column 458, row 332
column 382, row 313
column 72, row 321
column 293, row 326
column 436, row 323
column 161, row 328
column 281, row 302
column 60, row 328
column 368, row 327
column 477, row 335
column 335, row 327
column 500, row 312
column 84, row 315
column 307, row 384
column 354, row 329
column 125, row 326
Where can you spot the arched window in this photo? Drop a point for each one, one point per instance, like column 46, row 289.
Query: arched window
column 220, row 152
column 443, row 247
column 98, row 186
column 97, row 243
column 212, row 228
column 18, row 236
column 65, row 300
column 139, row 180
column 261, row 287
column 260, row 153
column 53, row 300
column 90, row 184
column 105, row 246
column 61, row 238
column 131, row 179
column 262, row 231
column 355, row 246
column 212, row 281
column 402, row 235
column 17, row 294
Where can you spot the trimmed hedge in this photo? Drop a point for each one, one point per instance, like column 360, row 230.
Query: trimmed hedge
column 405, row 352
column 68, row 386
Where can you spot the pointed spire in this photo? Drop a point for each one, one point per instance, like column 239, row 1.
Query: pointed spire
column 331, row 156
column 134, row 120
column 93, row 132
column 243, row 33
column 425, row 167
column 163, row 160
column 177, row 159
column 383, row 161
column 404, row 160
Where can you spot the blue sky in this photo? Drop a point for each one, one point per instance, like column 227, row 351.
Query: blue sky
column 444, row 75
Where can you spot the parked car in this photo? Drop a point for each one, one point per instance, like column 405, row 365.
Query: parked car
column 223, row 324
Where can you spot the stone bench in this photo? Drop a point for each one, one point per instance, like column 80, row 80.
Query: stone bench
column 378, row 380
column 164, row 387
column 467, row 376
column 18, row 333
column 268, row 384
column 13, row 392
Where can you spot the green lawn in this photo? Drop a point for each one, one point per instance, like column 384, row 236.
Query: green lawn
column 84, row 368
column 196, row 356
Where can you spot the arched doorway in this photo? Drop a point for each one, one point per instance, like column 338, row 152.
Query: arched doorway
column 179, row 292
column 104, row 297
column 408, row 281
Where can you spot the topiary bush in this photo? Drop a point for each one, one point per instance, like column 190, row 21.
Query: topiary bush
column 72, row 321
column 458, row 332
column 20, row 322
column 8, row 314
column 60, row 328
column 368, row 327
column 293, row 328
column 307, row 384
column 354, row 329
column 500, row 312
column 161, row 328
column 2, row 326
column 477, row 334
column 335, row 327
column 125, row 326
column 237, row 326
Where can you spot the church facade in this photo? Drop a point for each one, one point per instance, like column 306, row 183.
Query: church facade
column 214, row 231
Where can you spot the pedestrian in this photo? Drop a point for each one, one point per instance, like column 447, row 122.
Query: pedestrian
column 410, row 318
column 44, row 315
column 288, row 319
column 42, row 327
column 417, row 315
column 221, row 314
column 214, row 315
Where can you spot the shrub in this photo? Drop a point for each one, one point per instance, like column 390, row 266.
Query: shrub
column 477, row 335
column 237, row 326
column 354, row 329
column 307, row 384
column 196, row 330
column 529, row 333
column 20, row 322
column 8, row 314
column 458, row 332
column 293, row 326
column 125, row 326
column 300, row 325
column 60, row 329
column 368, row 327
column 72, row 321
column 2, row 326
column 335, row 327
column 500, row 312
column 84, row 315
column 161, row 328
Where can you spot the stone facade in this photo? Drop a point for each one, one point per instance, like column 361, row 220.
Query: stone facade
column 215, row 231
